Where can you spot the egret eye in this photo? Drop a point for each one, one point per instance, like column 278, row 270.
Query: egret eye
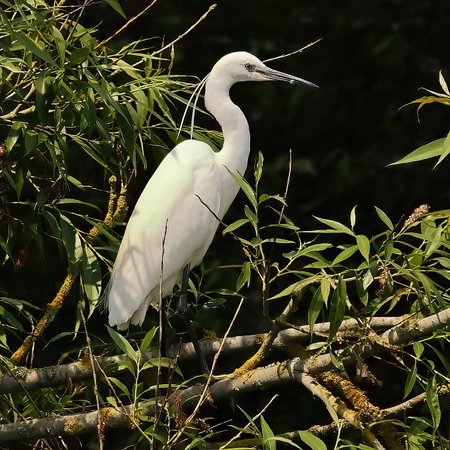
column 249, row 67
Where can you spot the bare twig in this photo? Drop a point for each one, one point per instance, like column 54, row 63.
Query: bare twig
column 300, row 50
column 181, row 36
column 126, row 25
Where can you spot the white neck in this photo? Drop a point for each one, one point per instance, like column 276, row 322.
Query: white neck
column 236, row 146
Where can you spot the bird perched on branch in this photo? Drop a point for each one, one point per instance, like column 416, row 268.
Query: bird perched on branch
column 176, row 216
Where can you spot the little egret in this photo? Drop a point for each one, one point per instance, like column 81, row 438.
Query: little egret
column 175, row 218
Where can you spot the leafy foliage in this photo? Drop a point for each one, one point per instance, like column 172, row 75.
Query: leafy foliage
column 74, row 113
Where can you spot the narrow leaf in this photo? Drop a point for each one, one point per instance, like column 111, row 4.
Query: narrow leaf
column 337, row 307
column 312, row 441
column 235, row 225
column 116, row 6
column 353, row 217
column 363, row 246
column 433, row 402
column 345, row 254
column 384, row 218
column 246, row 188
column 123, row 344
column 427, row 151
column 335, row 225
column 148, row 339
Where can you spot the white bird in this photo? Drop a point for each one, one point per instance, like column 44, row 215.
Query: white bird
column 172, row 208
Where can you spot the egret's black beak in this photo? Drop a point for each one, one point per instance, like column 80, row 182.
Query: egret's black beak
column 272, row 74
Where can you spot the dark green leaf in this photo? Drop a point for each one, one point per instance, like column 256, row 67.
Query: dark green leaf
column 433, row 402
column 116, row 6
column 337, row 307
column 410, row 381
column 79, row 55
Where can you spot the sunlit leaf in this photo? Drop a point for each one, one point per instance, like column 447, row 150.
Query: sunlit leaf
column 334, row 225
column 385, row 219
column 345, row 254
column 312, row 441
column 363, row 246
column 123, row 344
column 353, row 217
column 267, row 435
column 148, row 339
column 427, row 151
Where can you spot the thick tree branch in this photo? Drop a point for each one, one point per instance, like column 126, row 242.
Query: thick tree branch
column 52, row 376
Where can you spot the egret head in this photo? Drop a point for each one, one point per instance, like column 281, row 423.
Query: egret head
column 243, row 66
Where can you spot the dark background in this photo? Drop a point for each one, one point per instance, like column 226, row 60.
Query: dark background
column 371, row 61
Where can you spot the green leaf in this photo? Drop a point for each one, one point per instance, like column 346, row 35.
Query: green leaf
column 267, row 435
column 312, row 441
column 418, row 349
column 259, row 167
column 445, row 150
column 244, row 276
column 250, row 214
column 433, row 402
column 246, row 188
column 353, row 217
column 116, row 6
column 325, row 288
column 91, row 276
column 120, row 385
column 410, row 381
column 427, row 151
column 338, row 307
column 68, row 234
column 13, row 135
column 337, row 226
column 123, row 344
column 363, row 246
column 32, row 47
column 385, row 219
column 345, row 254
column 148, row 339
column 314, row 308
column 295, row 288
column 79, row 55
column 305, row 251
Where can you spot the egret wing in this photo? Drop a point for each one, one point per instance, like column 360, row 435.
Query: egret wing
column 168, row 228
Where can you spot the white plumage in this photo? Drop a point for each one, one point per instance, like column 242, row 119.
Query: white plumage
column 190, row 172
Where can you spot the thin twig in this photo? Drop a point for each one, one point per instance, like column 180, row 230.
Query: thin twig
column 126, row 25
column 94, row 379
column 181, row 36
column 300, row 50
